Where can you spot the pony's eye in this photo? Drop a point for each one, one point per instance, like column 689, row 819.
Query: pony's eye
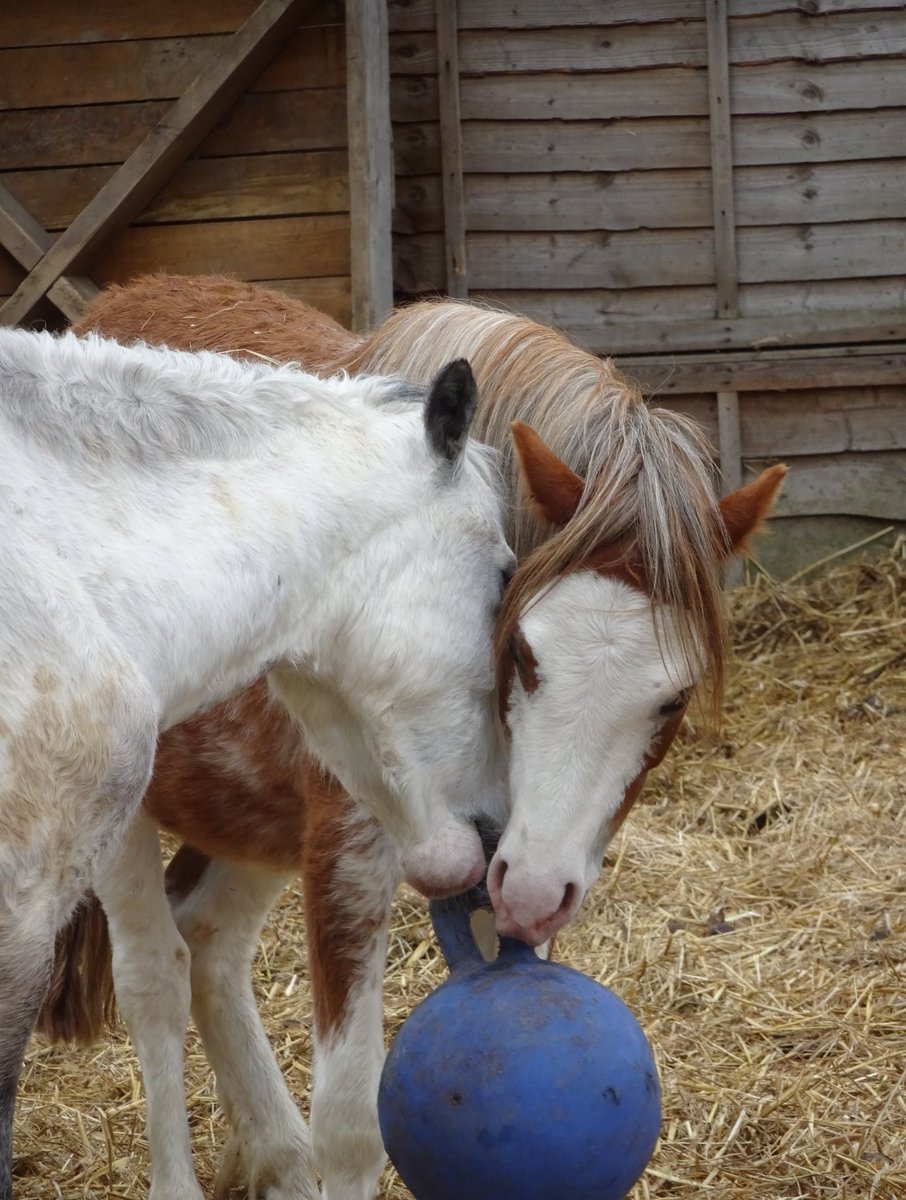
column 676, row 704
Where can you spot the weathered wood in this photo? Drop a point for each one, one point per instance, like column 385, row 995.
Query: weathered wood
column 658, row 258
column 725, row 274
column 629, row 335
column 454, row 223
column 157, row 156
column 729, row 441
column 867, row 485
column 626, row 145
column 412, row 15
column 794, row 423
column 201, row 190
column 791, row 423
column 26, row 240
column 281, row 122
column 45, row 22
column 809, row 8
column 780, row 87
column 273, row 248
column 793, row 195
column 777, row 370
column 156, row 69
column 625, row 47
column 370, row 161
column 832, row 305
column 615, row 48
column 846, row 35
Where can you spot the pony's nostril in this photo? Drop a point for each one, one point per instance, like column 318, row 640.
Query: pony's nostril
column 569, row 896
column 497, row 871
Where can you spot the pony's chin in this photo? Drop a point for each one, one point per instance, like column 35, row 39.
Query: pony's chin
column 444, row 865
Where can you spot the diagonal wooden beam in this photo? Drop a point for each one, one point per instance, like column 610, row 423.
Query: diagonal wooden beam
column 28, row 241
column 149, row 166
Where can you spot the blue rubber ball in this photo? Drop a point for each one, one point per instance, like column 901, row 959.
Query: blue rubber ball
column 520, row 1080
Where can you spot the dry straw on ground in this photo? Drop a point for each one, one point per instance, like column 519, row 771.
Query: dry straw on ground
column 753, row 914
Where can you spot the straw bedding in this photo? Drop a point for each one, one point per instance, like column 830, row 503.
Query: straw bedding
column 752, row 913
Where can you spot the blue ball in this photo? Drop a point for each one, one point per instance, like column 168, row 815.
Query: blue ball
column 520, row 1080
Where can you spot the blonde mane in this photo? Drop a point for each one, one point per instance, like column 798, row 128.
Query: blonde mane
column 649, row 494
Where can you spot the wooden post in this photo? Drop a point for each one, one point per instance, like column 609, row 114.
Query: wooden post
column 726, row 278
column 370, row 161
column 451, row 148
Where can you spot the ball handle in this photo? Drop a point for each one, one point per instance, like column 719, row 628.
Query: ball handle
column 451, row 919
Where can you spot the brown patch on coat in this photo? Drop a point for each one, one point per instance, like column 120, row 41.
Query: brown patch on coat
column 338, row 933
column 230, row 782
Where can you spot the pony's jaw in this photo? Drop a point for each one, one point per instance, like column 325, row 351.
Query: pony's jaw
column 582, row 724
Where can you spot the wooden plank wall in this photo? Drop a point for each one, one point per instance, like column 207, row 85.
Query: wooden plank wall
column 266, row 195
column 587, row 149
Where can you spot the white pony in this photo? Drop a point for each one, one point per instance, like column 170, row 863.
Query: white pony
column 175, row 524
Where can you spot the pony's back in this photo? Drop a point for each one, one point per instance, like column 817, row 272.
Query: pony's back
column 217, row 313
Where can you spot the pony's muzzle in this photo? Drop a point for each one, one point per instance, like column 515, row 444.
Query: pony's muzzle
column 449, row 862
column 531, row 906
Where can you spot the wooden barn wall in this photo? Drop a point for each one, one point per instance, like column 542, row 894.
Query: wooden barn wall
column 265, row 196
column 587, row 150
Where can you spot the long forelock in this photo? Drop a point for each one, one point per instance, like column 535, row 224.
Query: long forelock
column 649, row 487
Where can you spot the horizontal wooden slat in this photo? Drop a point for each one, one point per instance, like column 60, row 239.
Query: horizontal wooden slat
column 568, row 201
column 272, row 248
column 616, row 48
column 782, row 87
column 657, row 258
column 584, row 310
column 809, row 8
column 845, row 35
column 410, row 15
column 268, row 249
column 866, row 485
column 47, row 22
column 658, row 199
column 823, row 422
column 629, row 335
column 202, row 189
column 768, row 370
column 779, row 253
column 785, row 425
column 260, row 123
column 557, row 260
column 655, row 144
column 777, row 36
column 122, row 72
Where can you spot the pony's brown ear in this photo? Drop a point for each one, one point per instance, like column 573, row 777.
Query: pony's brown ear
column 745, row 510
column 554, row 490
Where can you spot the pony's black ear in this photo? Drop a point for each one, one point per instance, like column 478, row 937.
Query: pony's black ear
column 450, row 407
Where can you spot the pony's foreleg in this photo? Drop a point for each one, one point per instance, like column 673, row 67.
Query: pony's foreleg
column 81, row 793
column 27, row 928
column 351, row 872
column 220, row 913
column 151, row 976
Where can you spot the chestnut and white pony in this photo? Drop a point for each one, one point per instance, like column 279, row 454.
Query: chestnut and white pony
column 612, row 620
column 174, row 525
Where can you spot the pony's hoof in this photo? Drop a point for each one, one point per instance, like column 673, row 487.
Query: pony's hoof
column 267, row 1171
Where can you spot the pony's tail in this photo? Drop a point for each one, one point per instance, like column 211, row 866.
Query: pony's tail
column 80, row 1004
